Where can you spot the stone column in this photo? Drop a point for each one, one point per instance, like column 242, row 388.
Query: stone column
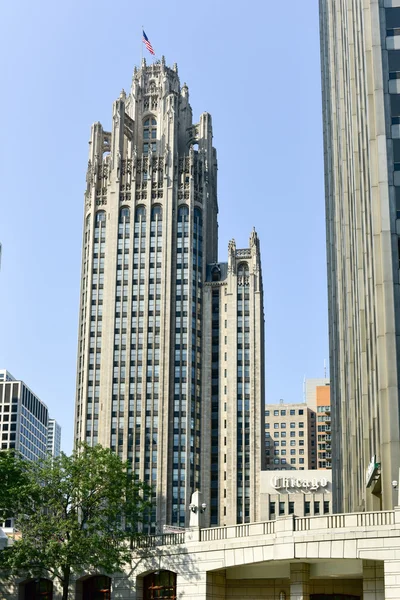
column 299, row 581
column 373, row 580
column 191, row 583
column 392, row 578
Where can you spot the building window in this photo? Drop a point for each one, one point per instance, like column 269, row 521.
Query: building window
column 39, row 589
column 140, row 214
column 326, row 507
column 316, row 508
column 149, row 135
column 156, row 213
column 281, row 508
column 291, row 508
column 124, row 215
column 306, row 508
column 276, row 413
column 161, row 584
column 272, row 508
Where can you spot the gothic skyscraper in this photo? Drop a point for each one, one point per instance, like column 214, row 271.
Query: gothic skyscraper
column 146, row 333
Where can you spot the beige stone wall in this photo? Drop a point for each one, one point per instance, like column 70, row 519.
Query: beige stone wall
column 363, row 276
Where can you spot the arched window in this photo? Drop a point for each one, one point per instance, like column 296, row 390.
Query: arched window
column 97, row 588
column 243, row 275
column 38, row 589
column 124, row 215
column 100, row 218
column 140, row 214
column 149, row 135
column 161, row 584
column 156, row 213
column 183, row 213
column 215, row 273
column 243, row 269
column 198, row 221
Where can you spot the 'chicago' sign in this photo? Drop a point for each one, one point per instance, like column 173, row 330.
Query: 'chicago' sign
column 299, row 484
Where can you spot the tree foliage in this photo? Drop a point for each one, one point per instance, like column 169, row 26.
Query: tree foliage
column 76, row 513
column 14, row 482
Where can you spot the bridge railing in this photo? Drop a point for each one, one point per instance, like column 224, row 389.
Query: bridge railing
column 166, row 539
column 286, row 524
column 340, row 521
column 237, row 531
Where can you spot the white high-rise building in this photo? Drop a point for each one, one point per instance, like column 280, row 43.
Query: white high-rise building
column 53, row 438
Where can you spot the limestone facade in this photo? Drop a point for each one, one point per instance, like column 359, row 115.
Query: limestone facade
column 153, row 382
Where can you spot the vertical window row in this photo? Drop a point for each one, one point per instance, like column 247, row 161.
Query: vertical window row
column 153, row 354
column 96, row 316
column 181, row 377
column 196, row 362
column 120, row 376
column 215, row 430
column 243, row 394
column 137, row 404
column 82, row 321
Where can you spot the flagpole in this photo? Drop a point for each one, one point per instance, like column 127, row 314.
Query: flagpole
column 141, row 47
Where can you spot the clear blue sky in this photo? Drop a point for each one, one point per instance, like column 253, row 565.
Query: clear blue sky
column 255, row 66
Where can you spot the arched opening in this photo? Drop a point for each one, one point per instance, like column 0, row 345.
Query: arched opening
column 100, row 218
column 124, row 215
column 160, row 584
column 97, row 587
column 215, row 273
column 37, row 589
column 156, row 213
column 140, row 214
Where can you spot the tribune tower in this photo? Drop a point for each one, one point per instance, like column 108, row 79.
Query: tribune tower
column 150, row 232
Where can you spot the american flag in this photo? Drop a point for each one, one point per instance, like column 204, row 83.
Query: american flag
column 147, row 43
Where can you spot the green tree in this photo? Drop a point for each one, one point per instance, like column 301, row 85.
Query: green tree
column 78, row 513
column 14, row 482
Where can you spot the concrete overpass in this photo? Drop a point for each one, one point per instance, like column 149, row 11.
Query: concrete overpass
column 343, row 556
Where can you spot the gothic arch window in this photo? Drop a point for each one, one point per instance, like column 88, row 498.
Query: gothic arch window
column 161, row 584
column 198, row 217
column 124, row 215
column 149, row 135
column 140, row 214
column 183, row 213
column 100, row 218
column 243, row 273
column 216, row 273
column 156, row 213
column 243, row 269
